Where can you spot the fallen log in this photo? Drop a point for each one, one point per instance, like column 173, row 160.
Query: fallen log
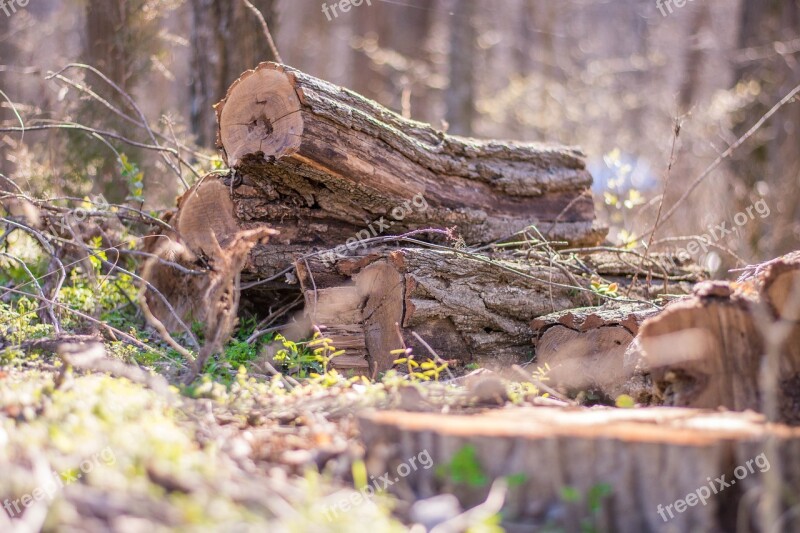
column 325, row 166
column 624, row 470
column 463, row 305
column 584, row 349
column 712, row 349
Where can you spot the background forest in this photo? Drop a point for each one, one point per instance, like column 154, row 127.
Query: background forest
column 181, row 359
column 612, row 77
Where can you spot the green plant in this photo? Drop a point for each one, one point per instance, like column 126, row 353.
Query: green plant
column 602, row 288
column 464, row 469
column 295, row 358
column 419, row 371
column 594, row 504
column 134, row 177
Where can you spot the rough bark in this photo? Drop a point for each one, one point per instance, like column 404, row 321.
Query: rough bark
column 320, row 163
column 646, row 458
column 463, row 306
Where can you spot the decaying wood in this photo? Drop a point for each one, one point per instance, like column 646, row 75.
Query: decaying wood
column 708, row 351
column 321, row 163
column 647, row 458
column 211, row 252
column 465, row 307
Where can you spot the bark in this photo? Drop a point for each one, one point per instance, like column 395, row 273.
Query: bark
column 464, row 307
column 320, row 163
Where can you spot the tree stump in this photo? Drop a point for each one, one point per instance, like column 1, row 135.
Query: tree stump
column 623, row 470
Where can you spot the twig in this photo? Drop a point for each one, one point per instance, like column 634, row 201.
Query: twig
column 718, row 161
column 433, row 353
column 667, row 176
column 265, row 29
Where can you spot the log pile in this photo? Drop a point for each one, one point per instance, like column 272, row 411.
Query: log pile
column 732, row 345
column 331, row 171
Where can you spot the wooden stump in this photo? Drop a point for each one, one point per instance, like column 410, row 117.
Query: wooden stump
column 585, row 348
column 635, row 464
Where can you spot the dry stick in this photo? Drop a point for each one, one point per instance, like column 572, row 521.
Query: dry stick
column 718, row 161
column 667, row 176
column 138, row 110
column 549, row 390
column 265, row 28
column 719, row 247
column 147, row 285
column 39, row 289
column 91, row 319
column 521, row 274
column 114, row 109
column 433, row 353
column 162, row 330
column 258, row 333
column 104, row 133
column 48, row 249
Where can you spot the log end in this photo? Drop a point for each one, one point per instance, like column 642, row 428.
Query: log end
column 260, row 114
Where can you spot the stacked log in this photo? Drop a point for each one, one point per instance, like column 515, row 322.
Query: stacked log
column 732, row 345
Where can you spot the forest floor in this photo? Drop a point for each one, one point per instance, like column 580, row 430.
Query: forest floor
column 84, row 449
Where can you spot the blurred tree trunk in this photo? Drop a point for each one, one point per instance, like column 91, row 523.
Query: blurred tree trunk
column 773, row 155
column 121, row 37
column 460, row 96
column 226, row 40
column 694, row 58
column 392, row 60
column 8, row 54
column 106, row 26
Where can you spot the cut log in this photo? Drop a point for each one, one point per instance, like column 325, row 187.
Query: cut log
column 464, row 306
column 631, row 470
column 709, row 350
column 324, row 165
column 585, row 348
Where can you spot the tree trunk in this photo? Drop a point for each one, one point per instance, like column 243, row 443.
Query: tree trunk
column 463, row 306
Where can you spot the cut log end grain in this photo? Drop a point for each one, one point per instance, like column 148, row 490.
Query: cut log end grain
column 261, row 114
column 709, row 350
column 643, row 458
